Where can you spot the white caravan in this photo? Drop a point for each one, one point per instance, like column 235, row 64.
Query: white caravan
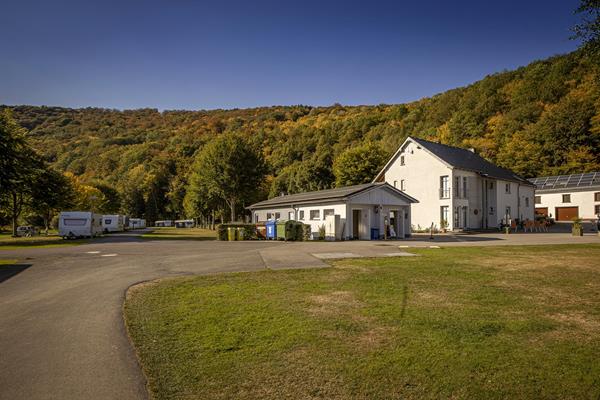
column 137, row 223
column 75, row 224
column 113, row 223
column 185, row 223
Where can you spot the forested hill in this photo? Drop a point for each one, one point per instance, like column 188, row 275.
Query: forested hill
column 537, row 120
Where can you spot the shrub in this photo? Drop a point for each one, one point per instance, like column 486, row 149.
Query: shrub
column 306, row 232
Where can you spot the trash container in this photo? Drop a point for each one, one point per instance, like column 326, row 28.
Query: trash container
column 374, row 233
column 231, row 234
column 271, row 229
column 261, row 231
column 241, row 233
column 281, row 230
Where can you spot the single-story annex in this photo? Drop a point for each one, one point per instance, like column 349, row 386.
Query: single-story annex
column 361, row 209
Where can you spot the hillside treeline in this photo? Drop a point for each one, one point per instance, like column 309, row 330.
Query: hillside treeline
column 542, row 119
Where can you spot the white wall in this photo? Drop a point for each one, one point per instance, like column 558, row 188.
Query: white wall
column 421, row 174
column 582, row 199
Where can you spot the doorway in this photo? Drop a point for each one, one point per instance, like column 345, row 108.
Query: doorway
column 356, row 215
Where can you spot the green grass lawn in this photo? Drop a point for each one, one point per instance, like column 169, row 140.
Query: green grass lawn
column 484, row 323
column 7, row 242
column 181, row 234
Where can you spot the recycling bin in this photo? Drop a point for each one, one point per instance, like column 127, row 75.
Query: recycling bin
column 231, row 234
column 271, row 229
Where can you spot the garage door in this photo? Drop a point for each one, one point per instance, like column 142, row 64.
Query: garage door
column 542, row 211
column 566, row 213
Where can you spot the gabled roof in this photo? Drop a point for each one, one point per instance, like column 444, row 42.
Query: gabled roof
column 329, row 195
column 589, row 180
column 456, row 157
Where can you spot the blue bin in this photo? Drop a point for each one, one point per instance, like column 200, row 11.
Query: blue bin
column 374, row 233
column 271, row 229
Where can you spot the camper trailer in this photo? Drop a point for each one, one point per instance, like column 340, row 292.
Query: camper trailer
column 165, row 223
column 113, row 223
column 76, row 224
column 137, row 223
column 185, row 223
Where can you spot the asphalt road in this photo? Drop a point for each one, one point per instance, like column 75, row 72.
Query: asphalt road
column 61, row 328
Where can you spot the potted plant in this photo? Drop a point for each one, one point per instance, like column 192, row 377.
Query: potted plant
column 577, row 228
column 444, row 225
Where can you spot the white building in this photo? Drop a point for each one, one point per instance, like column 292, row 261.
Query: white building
column 566, row 197
column 457, row 186
column 363, row 210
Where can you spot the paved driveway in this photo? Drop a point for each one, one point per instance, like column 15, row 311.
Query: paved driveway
column 61, row 327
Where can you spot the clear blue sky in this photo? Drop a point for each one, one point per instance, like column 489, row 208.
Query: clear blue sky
column 186, row 54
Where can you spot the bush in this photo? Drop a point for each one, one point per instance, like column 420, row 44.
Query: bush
column 306, row 232
column 249, row 231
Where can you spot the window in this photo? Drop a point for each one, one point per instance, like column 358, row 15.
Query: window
column 402, row 185
column 75, row 222
column 327, row 212
column 444, row 188
column 566, row 198
column 301, row 215
column 597, row 209
column 457, row 186
column 444, row 216
column 315, row 215
column 401, row 160
column 507, row 188
column 290, row 215
column 395, row 184
column 464, row 187
column 456, row 216
column 538, row 199
column 597, row 196
column 277, row 215
column 107, row 221
column 526, row 201
column 269, row 215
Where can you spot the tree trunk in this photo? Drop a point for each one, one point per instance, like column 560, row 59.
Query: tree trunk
column 232, row 207
column 15, row 212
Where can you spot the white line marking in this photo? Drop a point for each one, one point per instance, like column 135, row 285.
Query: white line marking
column 108, row 255
column 92, row 252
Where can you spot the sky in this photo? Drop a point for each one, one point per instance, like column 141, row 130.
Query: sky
column 186, row 54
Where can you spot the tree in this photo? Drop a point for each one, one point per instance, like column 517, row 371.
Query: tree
column 358, row 164
column 86, row 197
column 229, row 169
column 589, row 29
column 51, row 192
column 19, row 167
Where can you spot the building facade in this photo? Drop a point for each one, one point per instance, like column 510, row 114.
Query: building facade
column 456, row 187
column 565, row 197
column 360, row 209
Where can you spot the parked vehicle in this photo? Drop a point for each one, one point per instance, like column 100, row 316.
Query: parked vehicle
column 165, row 223
column 137, row 223
column 113, row 223
column 26, row 231
column 185, row 223
column 78, row 224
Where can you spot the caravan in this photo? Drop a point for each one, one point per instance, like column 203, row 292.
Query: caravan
column 76, row 224
column 113, row 223
column 137, row 223
column 185, row 223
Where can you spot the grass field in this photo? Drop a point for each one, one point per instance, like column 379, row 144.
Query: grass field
column 181, row 234
column 7, row 242
column 510, row 322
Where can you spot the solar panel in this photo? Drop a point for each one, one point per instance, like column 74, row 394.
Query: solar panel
column 567, row 181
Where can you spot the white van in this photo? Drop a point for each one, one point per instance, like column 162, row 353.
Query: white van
column 76, row 224
column 113, row 223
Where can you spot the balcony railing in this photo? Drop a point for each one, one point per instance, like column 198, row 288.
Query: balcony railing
column 445, row 193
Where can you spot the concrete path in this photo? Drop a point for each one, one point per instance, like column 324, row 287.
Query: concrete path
column 61, row 328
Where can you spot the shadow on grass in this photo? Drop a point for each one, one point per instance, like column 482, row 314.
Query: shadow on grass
column 7, row 271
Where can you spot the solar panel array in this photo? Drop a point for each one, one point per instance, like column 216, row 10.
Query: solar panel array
column 567, row 181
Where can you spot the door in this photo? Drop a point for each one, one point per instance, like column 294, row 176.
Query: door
column 356, row 224
column 465, row 215
column 566, row 213
column 541, row 211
